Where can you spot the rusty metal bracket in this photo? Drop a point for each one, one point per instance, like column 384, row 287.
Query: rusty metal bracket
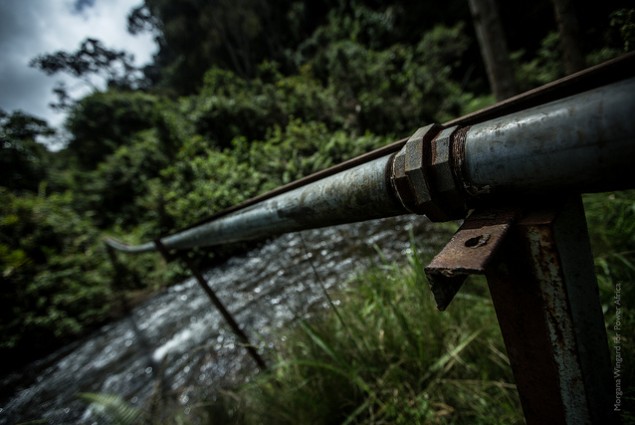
column 539, row 270
column 470, row 251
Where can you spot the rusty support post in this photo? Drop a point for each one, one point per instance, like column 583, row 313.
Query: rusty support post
column 546, row 298
column 539, row 267
column 242, row 336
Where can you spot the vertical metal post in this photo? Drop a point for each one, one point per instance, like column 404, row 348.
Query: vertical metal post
column 539, row 266
column 546, row 298
column 218, row 304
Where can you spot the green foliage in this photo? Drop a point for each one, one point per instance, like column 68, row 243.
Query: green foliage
column 394, row 90
column 122, row 179
column 102, row 122
column 203, row 181
column 545, row 66
column 345, row 85
column 23, row 161
column 388, row 356
column 91, row 58
column 611, row 220
column 624, row 21
column 232, row 35
column 300, row 149
column 54, row 284
column 229, row 106
column 620, row 37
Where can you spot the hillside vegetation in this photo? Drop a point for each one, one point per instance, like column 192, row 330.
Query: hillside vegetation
column 242, row 97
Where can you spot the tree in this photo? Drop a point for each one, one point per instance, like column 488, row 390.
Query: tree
column 23, row 161
column 102, row 122
column 235, row 35
column 491, row 39
column 569, row 30
column 92, row 59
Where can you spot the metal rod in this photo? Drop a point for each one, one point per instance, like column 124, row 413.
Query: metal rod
column 599, row 75
column 202, row 282
column 546, row 298
column 357, row 194
column 582, row 143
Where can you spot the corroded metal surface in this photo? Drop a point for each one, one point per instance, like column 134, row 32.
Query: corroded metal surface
column 539, row 269
column 442, row 174
column 546, row 299
column 410, row 174
column 469, row 251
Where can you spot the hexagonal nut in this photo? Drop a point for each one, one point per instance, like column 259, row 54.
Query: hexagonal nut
column 414, row 162
column 416, row 196
column 440, row 175
column 440, row 167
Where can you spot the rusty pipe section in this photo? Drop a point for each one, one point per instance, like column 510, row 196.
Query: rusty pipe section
column 583, row 143
column 357, row 194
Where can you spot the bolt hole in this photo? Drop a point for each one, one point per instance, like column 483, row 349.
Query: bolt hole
column 477, row 241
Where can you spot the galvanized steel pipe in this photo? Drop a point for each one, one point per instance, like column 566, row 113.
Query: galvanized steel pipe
column 358, row 194
column 581, row 143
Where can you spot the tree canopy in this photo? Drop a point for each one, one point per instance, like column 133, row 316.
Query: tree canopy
column 242, row 96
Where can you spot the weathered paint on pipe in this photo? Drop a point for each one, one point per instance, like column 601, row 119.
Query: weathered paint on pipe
column 582, row 143
column 358, row 194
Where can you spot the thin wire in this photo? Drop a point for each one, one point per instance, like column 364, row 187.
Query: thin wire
column 319, row 280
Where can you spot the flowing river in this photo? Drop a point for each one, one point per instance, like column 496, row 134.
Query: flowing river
column 177, row 346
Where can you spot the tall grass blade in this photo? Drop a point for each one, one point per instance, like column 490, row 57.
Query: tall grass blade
column 113, row 408
column 445, row 362
column 319, row 341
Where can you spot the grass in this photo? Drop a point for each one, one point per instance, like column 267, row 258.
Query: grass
column 611, row 220
column 383, row 354
column 388, row 356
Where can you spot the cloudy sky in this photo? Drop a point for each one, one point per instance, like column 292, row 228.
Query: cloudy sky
column 32, row 27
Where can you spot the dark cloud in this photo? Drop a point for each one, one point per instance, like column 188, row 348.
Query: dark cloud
column 21, row 87
column 80, row 5
column 34, row 27
column 16, row 23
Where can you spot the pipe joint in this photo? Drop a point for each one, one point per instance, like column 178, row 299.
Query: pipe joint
column 422, row 175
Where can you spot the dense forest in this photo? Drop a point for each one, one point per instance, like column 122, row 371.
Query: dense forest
column 242, row 96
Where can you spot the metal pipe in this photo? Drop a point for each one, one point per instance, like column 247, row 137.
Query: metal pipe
column 581, row 143
column 597, row 76
column 358, row 194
